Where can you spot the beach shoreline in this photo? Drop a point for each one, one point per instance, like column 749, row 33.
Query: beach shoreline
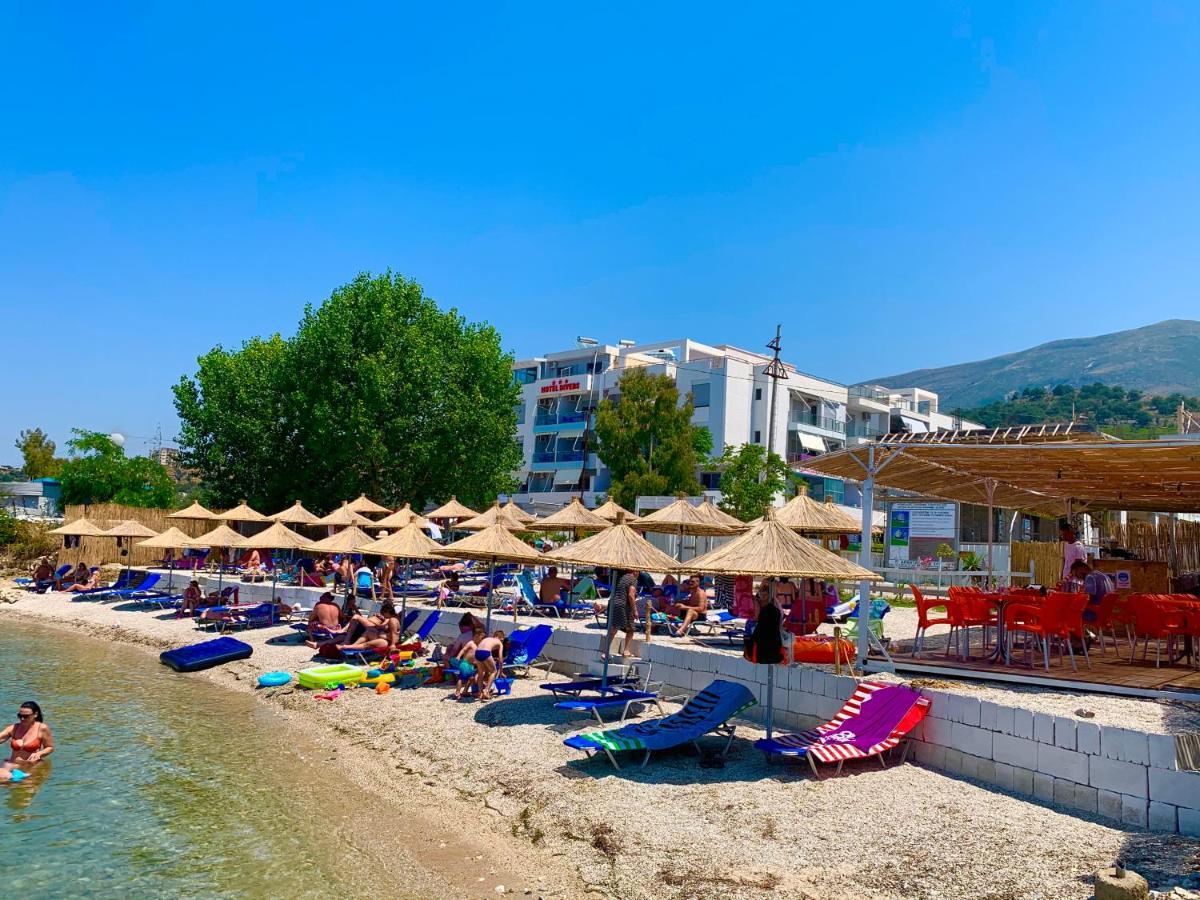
column 535, row 809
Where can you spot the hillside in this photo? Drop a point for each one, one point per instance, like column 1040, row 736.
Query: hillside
column 1158, row 359
column 1123, row 413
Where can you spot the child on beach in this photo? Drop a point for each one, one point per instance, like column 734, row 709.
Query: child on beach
column 467, row 653
column 489, row 658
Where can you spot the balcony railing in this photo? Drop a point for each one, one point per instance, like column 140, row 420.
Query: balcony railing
column 557, row 456
column 800, row 417
column 855, row 429
column 559, row 418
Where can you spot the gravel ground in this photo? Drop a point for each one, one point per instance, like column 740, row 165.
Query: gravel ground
column 672, row 830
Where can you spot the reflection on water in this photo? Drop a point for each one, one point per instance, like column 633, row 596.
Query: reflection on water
column 162, row 785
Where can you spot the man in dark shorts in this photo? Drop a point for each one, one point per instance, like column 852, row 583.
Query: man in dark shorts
column 621, row 612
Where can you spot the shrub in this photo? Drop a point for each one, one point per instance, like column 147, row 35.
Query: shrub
column 8, row 528
column 32, row 540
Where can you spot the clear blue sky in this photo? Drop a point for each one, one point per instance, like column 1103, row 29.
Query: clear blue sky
column 934, row 182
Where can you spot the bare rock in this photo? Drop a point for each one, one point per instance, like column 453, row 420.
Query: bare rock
column 1130, row 886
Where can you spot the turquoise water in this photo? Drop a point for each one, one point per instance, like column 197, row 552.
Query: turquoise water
column 164, row 785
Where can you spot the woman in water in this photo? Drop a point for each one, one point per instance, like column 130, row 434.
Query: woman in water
column 30, row 740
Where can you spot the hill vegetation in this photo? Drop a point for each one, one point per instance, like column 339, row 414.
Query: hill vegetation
column 1161, row 359
column 1126, row 413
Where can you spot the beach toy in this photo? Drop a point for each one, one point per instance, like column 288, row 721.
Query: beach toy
column 325, row 677
column 17, row 775
column 820, row 649
column 329, row 695
column 378, row 678
column 205, row 655
column 273, row 679
column 382, row 688
column 503, row 685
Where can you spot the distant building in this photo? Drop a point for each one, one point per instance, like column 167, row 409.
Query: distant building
column 39, row 498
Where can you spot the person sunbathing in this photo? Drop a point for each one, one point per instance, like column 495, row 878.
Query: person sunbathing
column 380, row 632
column 693, row 606
column 193, row 599
column 551, row 588
column 90, row 581
column 76, row 576
column 489, row 657
column 324, row 622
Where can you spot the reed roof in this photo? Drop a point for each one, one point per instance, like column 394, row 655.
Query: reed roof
column 494, row 543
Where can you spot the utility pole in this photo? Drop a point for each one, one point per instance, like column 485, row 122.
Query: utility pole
column 774, row 371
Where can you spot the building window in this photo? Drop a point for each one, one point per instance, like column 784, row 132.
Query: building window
column 758, row 437
column 758, row 393
column 700, row 394
column 710, row 481
column 520, row 413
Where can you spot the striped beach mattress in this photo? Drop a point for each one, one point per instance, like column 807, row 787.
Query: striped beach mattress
column 875, row 719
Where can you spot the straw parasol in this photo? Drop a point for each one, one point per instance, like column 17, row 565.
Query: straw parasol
column 452, row 509
column 171, row 539
column 611, row 509
column 518, row 513
column 771, row 548
column 365, row 505
column 295, row 514
column 495, row 515
column 618, row 547
column 126, row 530
column 409, row 543
column 218, row 539
column 804, row 514
column 277, row 537
column 573, row 517
column 344, row 516
column 78, row 528
column 348, row 540
column 401, row 518
column 195, row 511
column 719, row 516
column 493, row 544
column 241, row 513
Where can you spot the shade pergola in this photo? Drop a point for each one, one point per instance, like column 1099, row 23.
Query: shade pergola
column 343, row 517
column 195, row 512
column 171, row 539
column 519, row 514
column 494, row 543
column 771, row 549
column 295, row 514
column 78, row 528
column 219, row 538
column 363, row 504
column 451, row 510
column 242, row 513
column 616, row 548
column 804, row 514
column 494, row 515
column 409, row 543
column 610, row 509
column 573, row 517
column 402, row 517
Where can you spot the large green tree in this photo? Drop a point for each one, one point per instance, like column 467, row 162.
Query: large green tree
column 750, row 480
column 98, row 471
column 37, row 450
column 647, row 438
column 380, row 391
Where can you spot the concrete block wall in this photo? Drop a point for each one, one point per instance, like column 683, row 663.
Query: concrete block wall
column 1124, row 775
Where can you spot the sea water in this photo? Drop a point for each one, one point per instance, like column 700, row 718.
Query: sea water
column 165, row 785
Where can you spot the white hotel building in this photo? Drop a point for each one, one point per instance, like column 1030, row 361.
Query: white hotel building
column 560, row 392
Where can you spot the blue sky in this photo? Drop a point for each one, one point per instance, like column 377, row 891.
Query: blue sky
column 899, row 185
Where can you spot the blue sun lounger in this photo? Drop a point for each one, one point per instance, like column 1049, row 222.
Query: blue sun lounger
column 590, row 685
column 708, row 712
column 525, row 650
column 366, row 654
column 615, row 699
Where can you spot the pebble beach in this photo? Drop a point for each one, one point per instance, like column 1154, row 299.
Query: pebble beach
column 548, row 823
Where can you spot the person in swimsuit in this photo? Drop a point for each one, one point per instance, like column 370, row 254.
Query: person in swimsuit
column 468, row 673
column 78, row 575
column 89, row 581
column 29, row 739
column 381, row 632
column 489, row 657
column 693, row 606
column 385, row 579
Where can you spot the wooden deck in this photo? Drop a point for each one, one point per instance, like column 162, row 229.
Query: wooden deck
column 1107, row 673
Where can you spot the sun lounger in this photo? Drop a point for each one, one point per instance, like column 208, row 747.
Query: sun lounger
column 590, row 685
column 877, row 718
column 558, row 609
column 721, row 622
column 126, row 592
column 709, row 711
column 525, row 650
column 616, row 700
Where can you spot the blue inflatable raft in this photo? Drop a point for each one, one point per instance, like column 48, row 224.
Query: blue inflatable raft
column 205, row 655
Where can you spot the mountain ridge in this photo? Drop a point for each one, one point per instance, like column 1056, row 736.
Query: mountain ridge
column 1161, row 358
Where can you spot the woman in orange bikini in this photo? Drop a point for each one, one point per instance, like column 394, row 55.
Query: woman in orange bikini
column 29, row 738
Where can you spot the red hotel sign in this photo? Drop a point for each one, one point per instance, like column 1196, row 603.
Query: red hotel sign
column 559, row 385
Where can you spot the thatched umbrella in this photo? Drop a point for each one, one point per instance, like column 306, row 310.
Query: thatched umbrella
column 295, row 514
column 171, row 539
column 452, row 510
column 717, row 515
column 409, row 543
column 401, row 518
column 242, row 513
column 768, row 549
column 78, row 528
column 494, row 515
column 805, row 515
column 616, row 548
column 343, row 517
column 518, row 513
column 679, row 518
column 219, row 538
column 277, row 537
column 573, row 517
column 495, row 543
column 348, row 540
column 365, row 505
column 611, row 509
column 127, row 530
column 196, row 512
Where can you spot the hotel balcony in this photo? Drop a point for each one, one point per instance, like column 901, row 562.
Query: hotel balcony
column 821, row 424
column 551, row 460
column 544, row 423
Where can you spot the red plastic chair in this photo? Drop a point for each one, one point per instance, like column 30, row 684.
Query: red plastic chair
column 1154, row 620
column 925, row 621
column 1032, row 621
column 1067, row 625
